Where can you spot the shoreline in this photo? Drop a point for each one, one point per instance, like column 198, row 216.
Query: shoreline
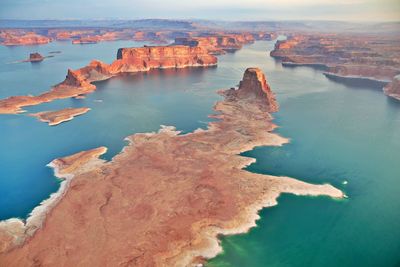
column 23, row 229
column 324, row 69
column 53, row 118
column 212, row 194
column 343, row 78
column 132, row 60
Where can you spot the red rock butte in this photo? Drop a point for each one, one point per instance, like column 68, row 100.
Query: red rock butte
column 129, row 60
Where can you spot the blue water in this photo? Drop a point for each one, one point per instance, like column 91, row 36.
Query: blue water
column 338, row 133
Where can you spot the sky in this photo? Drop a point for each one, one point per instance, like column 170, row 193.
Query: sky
column 345, row 10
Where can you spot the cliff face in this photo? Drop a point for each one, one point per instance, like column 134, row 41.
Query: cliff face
column 146, row 58
column 255, row 85
column 79, row 82
column 393, row 88
column 345, row 57
column 367, row 71
column 218, row 43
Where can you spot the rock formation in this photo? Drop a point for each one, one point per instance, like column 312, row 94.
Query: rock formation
column 12, row 38
column 393, row 88
column 155, row 57
column 129, row 60
column 255, row 85
column 164, row 200
column 59, row 116
column 342, row 56
column 35, row 57
column 217, row 44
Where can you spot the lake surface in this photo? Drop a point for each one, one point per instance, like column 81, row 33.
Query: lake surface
column 338, row 133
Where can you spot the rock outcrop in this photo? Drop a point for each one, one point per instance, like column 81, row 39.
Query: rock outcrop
column 164, row 200
column 35, row 57
column 255, row 85
column 393, row 88
column 160, row 57
column 129, row 60
column 13, row 38
column 343, row 57
column 59, row 116
column 217, row 44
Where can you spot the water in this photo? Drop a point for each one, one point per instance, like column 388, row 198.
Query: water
column 338, row 133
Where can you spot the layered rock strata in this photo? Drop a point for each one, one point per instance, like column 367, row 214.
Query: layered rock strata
column 366, row 57
column 129, row 60
column 217, row 44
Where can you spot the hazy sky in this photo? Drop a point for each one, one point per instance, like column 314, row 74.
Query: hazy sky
column 353, row 10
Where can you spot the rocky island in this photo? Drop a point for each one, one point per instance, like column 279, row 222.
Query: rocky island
column 165, row 198
column 59, row 116
column 375, row 58
column 129, row 60
column 35, row 57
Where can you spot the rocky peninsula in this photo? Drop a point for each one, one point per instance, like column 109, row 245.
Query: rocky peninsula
column 343, row 56
column 393, row 88
column 21, row 37
column 165, row 198
column 59, row 116
column 129, row 60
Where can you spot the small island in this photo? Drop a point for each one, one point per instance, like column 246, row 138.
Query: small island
column 59, row 116
column 35, row 57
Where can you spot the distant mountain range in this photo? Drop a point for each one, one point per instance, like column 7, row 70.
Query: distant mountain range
column 154, row 24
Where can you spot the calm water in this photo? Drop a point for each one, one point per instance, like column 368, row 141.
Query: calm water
column 338, row 133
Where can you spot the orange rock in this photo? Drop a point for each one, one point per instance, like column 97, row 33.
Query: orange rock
column 254, row 84
column 79, row 82
column 30, row 38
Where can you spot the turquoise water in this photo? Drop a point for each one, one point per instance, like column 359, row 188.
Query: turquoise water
column 338, row 133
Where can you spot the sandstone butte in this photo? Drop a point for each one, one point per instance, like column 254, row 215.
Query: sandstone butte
column 164, row 199
column 129, row 60
column 59, row 116
column 342, row 56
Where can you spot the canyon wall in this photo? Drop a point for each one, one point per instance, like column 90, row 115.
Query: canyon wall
column 79, row 82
